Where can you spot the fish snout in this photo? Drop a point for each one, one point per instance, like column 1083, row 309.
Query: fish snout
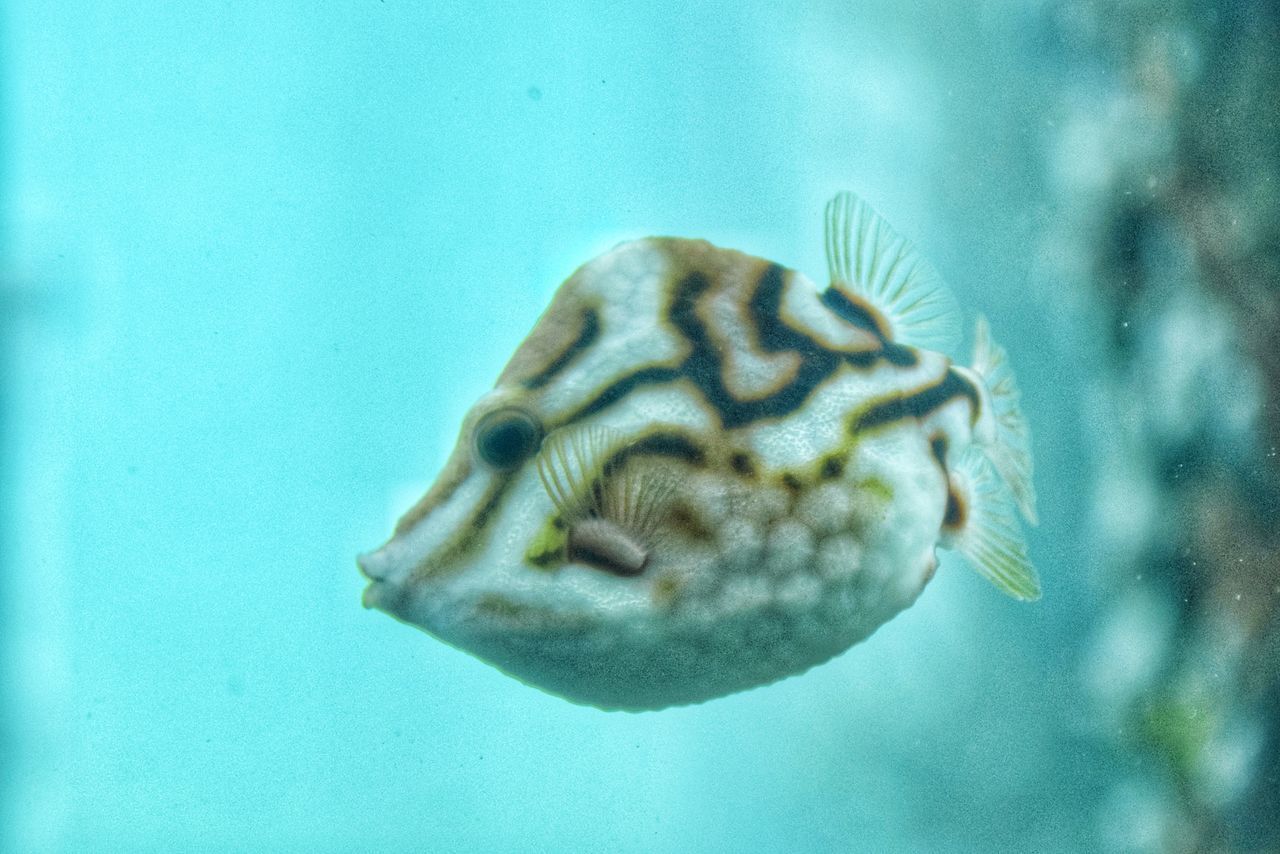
column 373, row 565
column 386, row 579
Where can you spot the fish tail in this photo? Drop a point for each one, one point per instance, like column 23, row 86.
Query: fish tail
column 982, row 525
column 1009, row 450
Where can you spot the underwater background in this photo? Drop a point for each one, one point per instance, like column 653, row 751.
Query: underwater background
column 257, row 261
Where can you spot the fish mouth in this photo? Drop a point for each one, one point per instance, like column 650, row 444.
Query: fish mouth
column 383, row 591
column 376, row 595
column 389, row 597
column 375, row 592
column 370, row 567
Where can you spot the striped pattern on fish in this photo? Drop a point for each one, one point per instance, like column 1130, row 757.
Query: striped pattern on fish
column 700, row 473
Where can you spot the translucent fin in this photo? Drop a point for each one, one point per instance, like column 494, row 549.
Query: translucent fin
column 637, row 498
column 572, row 465
column 867, row 258
column 1010, row 453
column 988, row 534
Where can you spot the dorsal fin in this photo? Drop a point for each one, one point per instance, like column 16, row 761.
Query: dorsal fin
column 869, row 260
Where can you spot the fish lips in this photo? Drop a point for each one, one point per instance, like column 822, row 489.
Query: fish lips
column 386, row 590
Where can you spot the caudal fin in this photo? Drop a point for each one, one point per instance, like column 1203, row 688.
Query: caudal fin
column 1010, row 452
column 984, row 528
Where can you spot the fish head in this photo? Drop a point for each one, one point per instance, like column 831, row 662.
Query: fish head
column 539, row 546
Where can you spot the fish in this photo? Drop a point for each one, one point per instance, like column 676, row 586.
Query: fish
column 700, row 473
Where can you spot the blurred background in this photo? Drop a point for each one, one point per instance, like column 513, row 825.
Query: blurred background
column 256, row 261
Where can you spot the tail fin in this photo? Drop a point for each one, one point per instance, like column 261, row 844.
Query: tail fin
column 986, row 529
column 1010, row 453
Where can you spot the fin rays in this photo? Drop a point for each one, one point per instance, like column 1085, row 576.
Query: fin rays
column 569, row 464
column 573, row 466
column 989, row 539
column 867, row 257
column 1010, row 453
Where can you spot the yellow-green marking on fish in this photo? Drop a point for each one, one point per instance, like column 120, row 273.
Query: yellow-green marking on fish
column 701, row 473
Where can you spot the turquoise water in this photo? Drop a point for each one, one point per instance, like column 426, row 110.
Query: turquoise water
column 273, row 253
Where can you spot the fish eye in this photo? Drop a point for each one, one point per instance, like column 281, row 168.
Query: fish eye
column 507, row 437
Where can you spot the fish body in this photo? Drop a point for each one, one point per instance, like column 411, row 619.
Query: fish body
column 701, row 473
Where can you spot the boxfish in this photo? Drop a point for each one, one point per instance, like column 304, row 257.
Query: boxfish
column 701, row 473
